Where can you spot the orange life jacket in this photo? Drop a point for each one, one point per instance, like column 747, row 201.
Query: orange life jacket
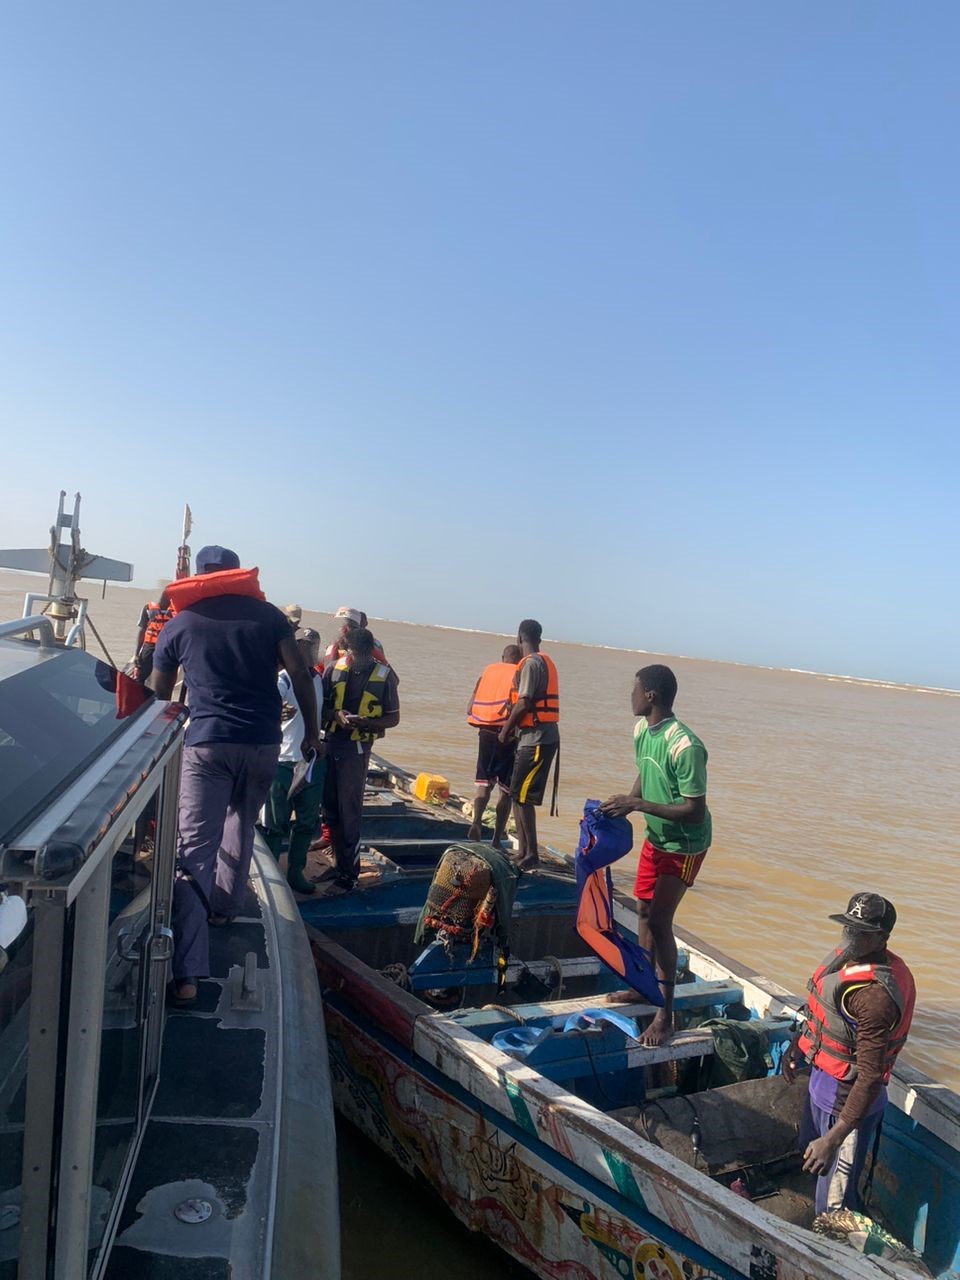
column 204, row 586
column 829, row 1040
column 546, row 709
column 491, row 702
column 157, row 618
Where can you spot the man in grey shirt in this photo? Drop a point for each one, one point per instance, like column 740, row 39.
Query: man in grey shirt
column 535, row 718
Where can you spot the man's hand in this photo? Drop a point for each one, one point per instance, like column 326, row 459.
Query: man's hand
column 820, row 1154
column 317, row 745
column 620, row 806
column 505, row 734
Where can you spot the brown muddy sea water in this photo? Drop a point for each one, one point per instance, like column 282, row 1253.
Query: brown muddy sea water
column 819, row 786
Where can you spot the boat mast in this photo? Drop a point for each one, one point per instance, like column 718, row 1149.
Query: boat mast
column 67, row 563
column 183, row 551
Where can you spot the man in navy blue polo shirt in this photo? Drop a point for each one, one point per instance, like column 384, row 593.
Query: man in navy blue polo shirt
column 229, row 646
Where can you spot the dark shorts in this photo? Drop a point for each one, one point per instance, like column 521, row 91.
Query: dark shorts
column 530, row 769
column 494, row 759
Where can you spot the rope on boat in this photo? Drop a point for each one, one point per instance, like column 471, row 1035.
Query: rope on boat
column 397, row 973
column 89, row 623
column 502, row 1008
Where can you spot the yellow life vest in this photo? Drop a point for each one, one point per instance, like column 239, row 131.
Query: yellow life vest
column 371, row 700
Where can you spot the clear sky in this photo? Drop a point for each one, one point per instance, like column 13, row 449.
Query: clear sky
column 638, row 318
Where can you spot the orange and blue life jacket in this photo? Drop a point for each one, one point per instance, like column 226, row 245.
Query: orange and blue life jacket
column 603, row 841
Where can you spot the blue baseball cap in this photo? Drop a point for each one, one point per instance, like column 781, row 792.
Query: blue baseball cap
column 214, row 558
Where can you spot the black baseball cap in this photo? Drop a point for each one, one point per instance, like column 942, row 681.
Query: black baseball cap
column 868, row 912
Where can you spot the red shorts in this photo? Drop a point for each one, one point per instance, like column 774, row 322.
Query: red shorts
column 655, row 862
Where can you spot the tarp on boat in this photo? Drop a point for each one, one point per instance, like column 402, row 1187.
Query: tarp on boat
column 604, row 841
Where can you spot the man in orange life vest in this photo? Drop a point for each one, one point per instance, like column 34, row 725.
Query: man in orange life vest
column 859, row 1008
column 488, row 711
column 535, row 719
column 153, row 617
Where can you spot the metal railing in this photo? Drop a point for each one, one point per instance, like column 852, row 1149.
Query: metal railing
column 22, row 626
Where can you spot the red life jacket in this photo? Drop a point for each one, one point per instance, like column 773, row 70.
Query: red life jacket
column 491, row 702
column 204, row 586
column 546, row 709
column 157, row 618
column 829, row 1040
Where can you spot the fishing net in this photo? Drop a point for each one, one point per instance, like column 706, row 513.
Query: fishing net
column 868, row 1237
column 461, row 904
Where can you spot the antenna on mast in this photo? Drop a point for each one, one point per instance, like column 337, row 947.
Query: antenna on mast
column 67, row 563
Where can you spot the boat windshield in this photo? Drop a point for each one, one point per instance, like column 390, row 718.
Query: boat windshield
column 57, row 712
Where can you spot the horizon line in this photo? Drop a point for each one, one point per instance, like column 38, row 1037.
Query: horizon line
column 879, row 682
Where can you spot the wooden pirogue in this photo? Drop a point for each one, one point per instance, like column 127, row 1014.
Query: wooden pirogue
column 574, row 1150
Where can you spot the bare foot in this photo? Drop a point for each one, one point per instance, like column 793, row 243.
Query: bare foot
column 474, row 833
column 527, row 864
column 657, row 1032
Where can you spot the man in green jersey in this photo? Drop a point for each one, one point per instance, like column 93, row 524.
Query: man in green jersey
column 671, row 792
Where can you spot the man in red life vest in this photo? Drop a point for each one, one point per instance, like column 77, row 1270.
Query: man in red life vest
column 488, row 711
column 859, row 1008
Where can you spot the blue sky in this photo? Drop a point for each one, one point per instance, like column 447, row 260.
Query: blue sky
column 640, row 319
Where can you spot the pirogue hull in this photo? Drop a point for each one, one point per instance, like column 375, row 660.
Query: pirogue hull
column 552, row 1159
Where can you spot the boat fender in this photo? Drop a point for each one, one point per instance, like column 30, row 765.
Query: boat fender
column 590, row 1020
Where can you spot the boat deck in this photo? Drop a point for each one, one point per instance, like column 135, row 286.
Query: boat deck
column 224, row 1104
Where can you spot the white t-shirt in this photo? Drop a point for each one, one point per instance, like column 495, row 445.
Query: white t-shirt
column 293, row 728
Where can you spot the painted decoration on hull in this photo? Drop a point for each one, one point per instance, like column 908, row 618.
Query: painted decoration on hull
column 493, row 1183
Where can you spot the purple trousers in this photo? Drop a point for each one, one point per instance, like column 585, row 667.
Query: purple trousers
column 839, row 1186
column 222, row 788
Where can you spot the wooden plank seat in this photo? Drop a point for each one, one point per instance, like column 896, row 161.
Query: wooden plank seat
column 432, row 968
column 687, row 996
column 568, row 1055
